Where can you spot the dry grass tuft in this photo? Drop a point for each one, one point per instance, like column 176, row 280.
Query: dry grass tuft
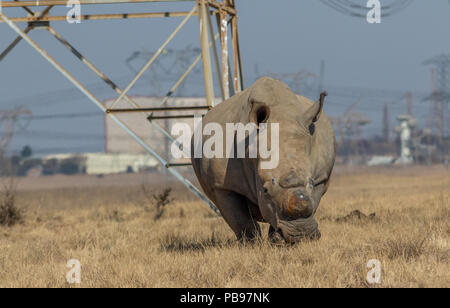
column 10, row 214
column 356, row 216
column 180, row 244
column 407, row 249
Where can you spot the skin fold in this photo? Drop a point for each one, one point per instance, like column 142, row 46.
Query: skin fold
column 288, row 195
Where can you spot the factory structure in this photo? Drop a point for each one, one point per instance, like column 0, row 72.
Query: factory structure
column 123, row 154
column 118, row 141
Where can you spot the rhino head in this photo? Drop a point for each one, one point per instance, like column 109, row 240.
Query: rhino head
column 289, row 194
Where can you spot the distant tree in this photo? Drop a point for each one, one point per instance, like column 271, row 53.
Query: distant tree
column 26, row 152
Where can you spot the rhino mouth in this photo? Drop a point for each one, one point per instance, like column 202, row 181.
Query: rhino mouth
column 294, row 231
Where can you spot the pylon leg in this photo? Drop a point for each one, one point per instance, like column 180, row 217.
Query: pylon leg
column 206, row 57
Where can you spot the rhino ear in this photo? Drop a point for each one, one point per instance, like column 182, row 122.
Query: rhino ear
column 259, row 113
column 313, row 113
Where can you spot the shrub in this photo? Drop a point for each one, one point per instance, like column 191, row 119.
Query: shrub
column 162, row 200
column 10, row 214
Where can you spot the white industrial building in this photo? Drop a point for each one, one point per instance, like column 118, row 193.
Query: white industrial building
column 103, row 163
column 122, row 152
column 118, row 141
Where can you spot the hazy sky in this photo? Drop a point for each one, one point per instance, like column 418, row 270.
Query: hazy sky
column 279, row 36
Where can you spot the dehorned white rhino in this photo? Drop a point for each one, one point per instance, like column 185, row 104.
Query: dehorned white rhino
column 287, row 195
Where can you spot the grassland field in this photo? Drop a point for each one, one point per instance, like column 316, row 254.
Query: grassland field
column 111, row 226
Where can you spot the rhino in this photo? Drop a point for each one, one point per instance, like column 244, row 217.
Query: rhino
column 286, row 197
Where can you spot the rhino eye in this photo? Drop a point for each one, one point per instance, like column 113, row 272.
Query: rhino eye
column 312, row 128
column 324, row 181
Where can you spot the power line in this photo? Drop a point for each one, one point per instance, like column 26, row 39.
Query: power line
column 49, row 98
column 350, row 8
column 65, row 116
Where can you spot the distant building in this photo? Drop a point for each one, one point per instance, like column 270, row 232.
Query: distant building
column 407, row 123
column 104, row 163
column 380, row 160
column 117, row 140
column 122, row 152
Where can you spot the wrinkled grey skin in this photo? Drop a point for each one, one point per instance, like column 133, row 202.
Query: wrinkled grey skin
column 286, row 197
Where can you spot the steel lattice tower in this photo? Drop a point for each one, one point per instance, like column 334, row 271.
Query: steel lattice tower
column 440, row 94
column 217, row 21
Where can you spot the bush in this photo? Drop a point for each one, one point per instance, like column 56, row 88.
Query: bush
column 161, row 201
column 9, row 213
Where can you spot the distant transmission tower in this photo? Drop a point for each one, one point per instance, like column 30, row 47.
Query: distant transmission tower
column 301, row 82
column 168, row 67
column 348, row 127
column 386, row 123
column 440, row 94
column 8, row 122
column 409, row 103
column 320, row 88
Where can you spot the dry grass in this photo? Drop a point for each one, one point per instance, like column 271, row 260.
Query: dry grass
column 112, row 231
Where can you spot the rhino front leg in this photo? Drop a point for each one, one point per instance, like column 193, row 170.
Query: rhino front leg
column 236, row 213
